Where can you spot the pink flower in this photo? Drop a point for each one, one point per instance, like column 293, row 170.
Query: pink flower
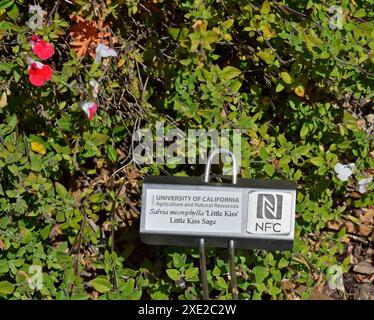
column 90, row 109
column 42, row 49
column 39, row 73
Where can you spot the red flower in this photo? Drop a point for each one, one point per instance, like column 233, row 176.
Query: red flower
column 39, row 73
column 90, row 109
column 42, row 49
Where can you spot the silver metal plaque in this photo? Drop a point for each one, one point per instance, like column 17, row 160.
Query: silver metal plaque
column 210, row 211
column 254, row 213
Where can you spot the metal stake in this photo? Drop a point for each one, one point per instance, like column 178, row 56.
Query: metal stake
column 234, row 287
column 204, row 278
column 235, row 167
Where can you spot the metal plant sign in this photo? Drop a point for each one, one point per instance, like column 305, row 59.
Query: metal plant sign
column 193, row 211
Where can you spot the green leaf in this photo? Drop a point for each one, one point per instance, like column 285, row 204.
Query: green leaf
column 266, row 55
column 3, row 266
column 229, row 73
column 286, row 77
column 173, row 274
column 13, row 13
column 191, row 273
column 6, row 67
column 208, row 38
column 129, row 272
column 45, row 231
column 36, row 163
column 174, row 32
column 360, row 13
column 263, row 154
column 158, row 295
column 6, row 287
column 178, row 260
column 66, row 122
column 221, row 283
column 341, row 233
column 111, row 152
column 273, row 291
column 279, row 87
column 128, row 287
column 260, row 287
column 4, row 221
column 317, row 161
column 216, row 271
column 194, row 41
column 283, row 263
column 269, row 169
column 257, row 295
column 235, row 85
column 260, row 273
column 136, row 295
column 304, row 130
column 101, row 284
column 5, row 4
column 228, row 23
column 99, row 138
column 60, row 189
column 349, row 120
column 8, row 26
column 265, row 8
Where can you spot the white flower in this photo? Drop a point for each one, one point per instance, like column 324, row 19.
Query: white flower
column 363, row 183
column 103, row 51
column 95, row 87
column 36, row 21
column 344, row 171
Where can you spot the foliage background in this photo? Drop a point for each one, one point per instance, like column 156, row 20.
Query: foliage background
column 300, row 90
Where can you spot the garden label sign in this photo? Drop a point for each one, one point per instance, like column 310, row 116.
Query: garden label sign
column 254, row 213
column 190, row 211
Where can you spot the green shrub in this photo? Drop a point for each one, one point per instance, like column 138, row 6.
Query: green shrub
column 293, row 83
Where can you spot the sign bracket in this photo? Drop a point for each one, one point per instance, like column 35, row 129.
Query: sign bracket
column 231, row 243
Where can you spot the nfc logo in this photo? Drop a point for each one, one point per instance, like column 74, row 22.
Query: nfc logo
column 270, row 212
column 269, row 206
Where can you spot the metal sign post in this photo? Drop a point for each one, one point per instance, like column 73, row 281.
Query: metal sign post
column 190, row 211
column 231, row 242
